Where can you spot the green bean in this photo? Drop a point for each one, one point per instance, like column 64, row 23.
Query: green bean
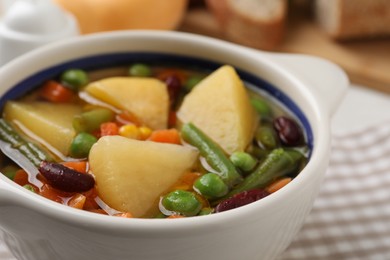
column 278, row 163
column 211, row 186
column 81, row 145
column 9, row 135
column 32, row 151
column 183, row 202
column 212, row 152
column 91, row 120
column 243, row 161
column 74, row 79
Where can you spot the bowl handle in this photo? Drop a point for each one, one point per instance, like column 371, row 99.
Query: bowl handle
column 329, row 82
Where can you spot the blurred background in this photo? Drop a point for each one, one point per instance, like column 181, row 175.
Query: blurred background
column 353, row 34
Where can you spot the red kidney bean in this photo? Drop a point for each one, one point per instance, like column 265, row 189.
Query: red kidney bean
column 241, row 199
column 66, row 179
column 174, row 86
column 289, row 132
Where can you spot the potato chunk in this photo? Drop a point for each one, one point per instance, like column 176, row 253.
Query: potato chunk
column 49, row 121
column 132, row 174
column 147, row 98
column 219, row 105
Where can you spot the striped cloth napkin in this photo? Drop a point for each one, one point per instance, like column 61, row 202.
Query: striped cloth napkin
column 351, row 216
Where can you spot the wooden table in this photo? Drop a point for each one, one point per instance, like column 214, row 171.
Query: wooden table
column 367, row 62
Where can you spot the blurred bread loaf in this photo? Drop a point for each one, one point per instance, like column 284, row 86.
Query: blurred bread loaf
column 107, row 15
column 349, row 19
column 254, row 23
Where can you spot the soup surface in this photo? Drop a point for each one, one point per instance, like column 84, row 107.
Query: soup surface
column 152, row 141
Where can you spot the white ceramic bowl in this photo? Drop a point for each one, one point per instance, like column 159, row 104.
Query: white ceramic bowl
column 35, row 228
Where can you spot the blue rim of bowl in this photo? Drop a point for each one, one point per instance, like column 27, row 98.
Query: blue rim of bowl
column 127, row 58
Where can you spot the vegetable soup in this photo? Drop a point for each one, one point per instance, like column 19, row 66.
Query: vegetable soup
column 152, row 141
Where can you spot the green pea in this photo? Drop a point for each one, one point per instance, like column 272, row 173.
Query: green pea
column 183, row 202
column 211, row 186
column 74, row 78
column 192, row 82
column 140, row 70
column 262, row 107
column 10, row 171
column 29, row 187
column 81, row 145
column 206, row 211
column 243, row 161
column 266, row 137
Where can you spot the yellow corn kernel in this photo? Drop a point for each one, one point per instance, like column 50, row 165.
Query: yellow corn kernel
column 145, row 132
column 129, row 131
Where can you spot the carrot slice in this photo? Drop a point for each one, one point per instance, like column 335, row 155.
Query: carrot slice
column 175, row 216
column 90, row 202
column 21, row 177
column 278, row 184
column 55, row 92
column 77, row 201
column 109, row 128
column 53, row 194
column 80, row 166
column 166, row 136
